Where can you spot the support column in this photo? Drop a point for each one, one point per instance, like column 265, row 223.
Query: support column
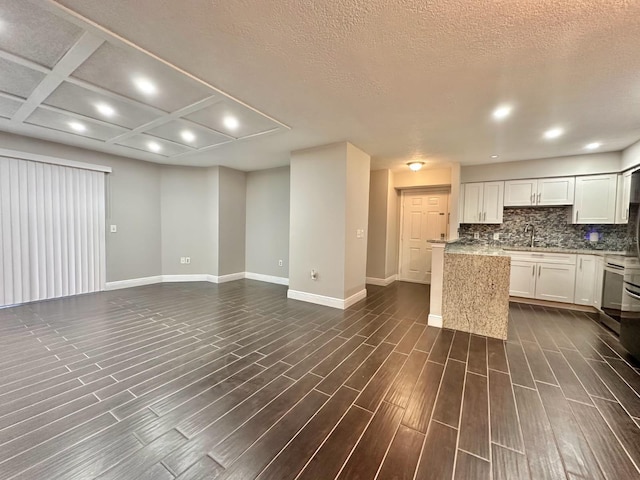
column 329, row 221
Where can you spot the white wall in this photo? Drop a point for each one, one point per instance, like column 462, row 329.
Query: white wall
column 631, row 157
column 589, row 164
column 377, row 237
column 427, row 177
column 232, row 198
column 317, row 233
column 186, row 217
column 267, row 223
column 357, row 215
column 133, row 204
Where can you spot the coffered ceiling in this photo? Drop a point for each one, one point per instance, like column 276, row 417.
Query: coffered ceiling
column 402, row 80
column 64, row 78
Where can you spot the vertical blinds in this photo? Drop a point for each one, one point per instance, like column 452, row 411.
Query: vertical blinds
column 52, row 231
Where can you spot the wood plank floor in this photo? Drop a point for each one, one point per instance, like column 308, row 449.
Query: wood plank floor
column 234, row 381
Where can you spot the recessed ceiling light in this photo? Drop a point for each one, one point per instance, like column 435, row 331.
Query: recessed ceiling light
column 231, row 122
column 415, row 166
column 592, row 146
column 502, row 112
column 154, row 147
column 104, row 109
column 145, row 85
column 553, row 133
column 78, row 127
column 187, row 136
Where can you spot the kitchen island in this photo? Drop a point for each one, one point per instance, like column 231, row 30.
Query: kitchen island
column 475, row 290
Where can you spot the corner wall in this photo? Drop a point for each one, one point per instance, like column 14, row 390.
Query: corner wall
column 267, row 222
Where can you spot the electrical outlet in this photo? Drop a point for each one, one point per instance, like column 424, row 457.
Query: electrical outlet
column 476, row 236
column 183, row 260
column 496, row 236
column 314, row 275
column 113, row 228
column 187, row 260
column 279, row 263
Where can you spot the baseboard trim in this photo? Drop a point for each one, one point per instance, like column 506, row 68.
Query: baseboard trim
column 266, row 278
column 382, row 282
column 227, row 278
column 355, row 298
column 196, row 277
column 326, row 301
column 133, row 282
column 434, row 320
column 546, row 303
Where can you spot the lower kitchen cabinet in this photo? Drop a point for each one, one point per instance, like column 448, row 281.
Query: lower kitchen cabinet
column 556, row 282
column 543, row 276
column 586, row 280
column 557, row 277
column 523, row 279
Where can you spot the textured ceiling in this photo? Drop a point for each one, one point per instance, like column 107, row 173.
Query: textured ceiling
column 403, row 79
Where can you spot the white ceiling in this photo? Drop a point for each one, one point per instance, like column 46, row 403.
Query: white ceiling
column 399, row 79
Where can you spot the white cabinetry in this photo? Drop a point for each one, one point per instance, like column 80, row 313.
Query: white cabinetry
column 599, row 281
column 483, row 202
column 523, row 279
column 595, row 201
column 539, row 192
column 520, row 193
column 622, row 200
column 544, row 276
column 586, row 280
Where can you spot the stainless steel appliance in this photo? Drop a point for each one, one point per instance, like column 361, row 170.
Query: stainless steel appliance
column 613, row 292
column 630, row 320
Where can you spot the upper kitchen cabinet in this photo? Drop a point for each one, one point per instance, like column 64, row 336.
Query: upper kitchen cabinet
column 539, row 192
column 622, row 201
column 595, row 200
column 483, row 202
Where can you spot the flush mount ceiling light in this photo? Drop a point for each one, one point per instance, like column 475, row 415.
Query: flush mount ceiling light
column 231, row 122
column 145, row 85
column 154, row 147
column 415, row 166
column 592, row 145
column 187, row 136
column 104, row 109
column 553, row 133
column 495, row 156
column 78, row 127
column 502, row 112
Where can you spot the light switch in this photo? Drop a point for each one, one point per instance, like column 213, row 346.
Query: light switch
column 359, row 233
column 113, row 228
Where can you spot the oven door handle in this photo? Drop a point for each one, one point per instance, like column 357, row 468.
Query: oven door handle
column 631, row 294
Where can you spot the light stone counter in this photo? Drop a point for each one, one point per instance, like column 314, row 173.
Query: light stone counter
column 475, row 291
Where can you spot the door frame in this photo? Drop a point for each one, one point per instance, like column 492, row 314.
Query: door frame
column 444, row 190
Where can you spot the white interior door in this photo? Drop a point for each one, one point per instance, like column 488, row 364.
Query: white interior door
column 424, row 218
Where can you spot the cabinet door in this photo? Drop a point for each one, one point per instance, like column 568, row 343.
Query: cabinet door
column 556, row 191
column 520, row 193
column 555, row 282
column 585, row 280
column 493, row 204
column 523, row 279
column 595, row 201
column 622, row 197
column 473, row 198
column 599, row 280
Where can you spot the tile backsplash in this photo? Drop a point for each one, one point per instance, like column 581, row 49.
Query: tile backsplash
column 551, row 230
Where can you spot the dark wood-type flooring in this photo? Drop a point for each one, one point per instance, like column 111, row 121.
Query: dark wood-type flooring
column 203, row 381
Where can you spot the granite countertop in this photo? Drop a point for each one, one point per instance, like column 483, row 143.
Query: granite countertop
column 503, row 250
column 486, row 250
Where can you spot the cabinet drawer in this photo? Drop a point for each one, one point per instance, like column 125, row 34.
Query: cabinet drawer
column 561, row 258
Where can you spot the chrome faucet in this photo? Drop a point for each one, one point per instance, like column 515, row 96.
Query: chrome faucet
column 530, row 228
